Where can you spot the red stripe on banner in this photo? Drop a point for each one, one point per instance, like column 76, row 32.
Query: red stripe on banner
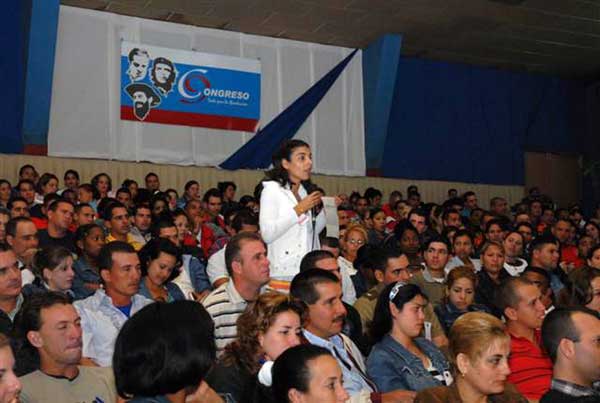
column 192, row 119
column 35, row 149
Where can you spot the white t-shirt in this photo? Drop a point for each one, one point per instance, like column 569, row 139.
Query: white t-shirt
column 216, row 268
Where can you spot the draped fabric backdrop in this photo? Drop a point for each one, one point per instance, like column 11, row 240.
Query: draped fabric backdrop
column 257, row 153
column 85, row 122
column 455, row 122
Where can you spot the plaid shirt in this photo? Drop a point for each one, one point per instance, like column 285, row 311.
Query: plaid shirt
column 572, row 389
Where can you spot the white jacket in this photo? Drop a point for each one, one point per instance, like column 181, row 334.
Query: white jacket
column 288, row 236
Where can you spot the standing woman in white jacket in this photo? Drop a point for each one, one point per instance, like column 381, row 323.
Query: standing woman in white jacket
column 287, row 221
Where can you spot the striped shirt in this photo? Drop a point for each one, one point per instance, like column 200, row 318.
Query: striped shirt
column 225, row 305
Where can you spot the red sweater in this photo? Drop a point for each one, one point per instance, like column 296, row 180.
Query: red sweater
column 531, row 368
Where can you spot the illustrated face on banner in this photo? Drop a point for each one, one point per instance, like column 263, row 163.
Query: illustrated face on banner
column 144, row 98
column 141, row 105
column 138, row 64
column 163, row 74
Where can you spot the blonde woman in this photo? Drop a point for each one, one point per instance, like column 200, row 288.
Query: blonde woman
column 354, row 238
column 479, row 349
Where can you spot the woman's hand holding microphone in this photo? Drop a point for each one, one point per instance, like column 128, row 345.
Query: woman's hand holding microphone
column 306, row 204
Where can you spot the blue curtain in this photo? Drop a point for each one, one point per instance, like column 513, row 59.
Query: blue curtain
column 455, row 122
column 256, row 153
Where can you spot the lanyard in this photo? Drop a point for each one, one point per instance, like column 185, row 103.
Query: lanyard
column 348, row 366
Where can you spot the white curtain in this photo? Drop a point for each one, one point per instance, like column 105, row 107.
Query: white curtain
column 85, row 115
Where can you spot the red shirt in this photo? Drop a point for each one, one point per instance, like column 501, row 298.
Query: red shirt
column 40, row 223
column 579, row 263
column 387, row 209
column 189, row 240
column 531, row 368
column 207, row 238
column 569, row 254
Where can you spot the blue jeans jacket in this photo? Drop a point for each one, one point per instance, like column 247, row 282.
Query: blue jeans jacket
column 447, row 313
column 198, row 275
column 174, row 293
column 391, row 366
column 84, row 273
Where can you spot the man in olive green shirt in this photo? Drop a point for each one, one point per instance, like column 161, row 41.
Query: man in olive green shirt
column 390, row 266
column 432, row 279
column 52, row 326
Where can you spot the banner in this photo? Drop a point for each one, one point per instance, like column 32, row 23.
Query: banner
column 171, row 86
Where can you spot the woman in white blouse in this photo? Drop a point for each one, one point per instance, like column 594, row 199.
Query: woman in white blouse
column 288, row 223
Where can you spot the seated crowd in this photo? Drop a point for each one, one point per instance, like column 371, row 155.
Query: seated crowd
column 143, row 294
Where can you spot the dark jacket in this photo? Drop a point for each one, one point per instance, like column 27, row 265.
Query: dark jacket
column 485, row 293
column 6, row 324
column 555, row 396
column 38, row 287
column 153, row 399
column 447, row 313
column 236, row 385
column 449, row 394
column 353, row 329
column 360, row 283
column 229, row 381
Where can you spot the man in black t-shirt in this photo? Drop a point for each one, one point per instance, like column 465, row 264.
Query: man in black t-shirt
column 60, row 217
column 10, row 288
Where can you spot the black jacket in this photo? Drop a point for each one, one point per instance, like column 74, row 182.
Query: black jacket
column 554, row 396
column 236, row 384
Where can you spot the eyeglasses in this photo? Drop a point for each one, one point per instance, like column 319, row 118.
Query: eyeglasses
column 356, row 241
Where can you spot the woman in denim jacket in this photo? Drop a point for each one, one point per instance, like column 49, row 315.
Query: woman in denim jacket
column 401, row 359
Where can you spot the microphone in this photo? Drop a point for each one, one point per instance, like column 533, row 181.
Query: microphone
column 310, row 188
